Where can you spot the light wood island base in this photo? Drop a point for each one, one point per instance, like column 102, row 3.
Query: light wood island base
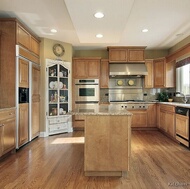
column 107, row 144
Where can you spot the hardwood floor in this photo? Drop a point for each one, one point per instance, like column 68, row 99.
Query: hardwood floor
column 57, row 162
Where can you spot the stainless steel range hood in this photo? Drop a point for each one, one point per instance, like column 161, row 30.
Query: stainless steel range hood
column 132, row 69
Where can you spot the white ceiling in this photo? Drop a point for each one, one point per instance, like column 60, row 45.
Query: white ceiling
column 168, row 21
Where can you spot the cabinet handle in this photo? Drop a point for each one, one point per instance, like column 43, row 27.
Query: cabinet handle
column 1, row 125
column 10, row 113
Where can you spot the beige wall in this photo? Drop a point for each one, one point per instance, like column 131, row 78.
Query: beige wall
column 46, row 46
column 179, row 45
column 91, row 53
column 149, row 54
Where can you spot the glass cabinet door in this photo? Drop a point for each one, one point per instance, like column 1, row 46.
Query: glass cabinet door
column 63, row 90
column 58, row 90
column 53, row 90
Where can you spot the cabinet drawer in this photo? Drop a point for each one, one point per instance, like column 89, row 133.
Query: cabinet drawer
column 7, row 114
column 167, row 108
column 58, row 127
column 58, row 120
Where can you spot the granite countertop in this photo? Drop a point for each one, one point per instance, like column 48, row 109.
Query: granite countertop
column 176, row 104
column 100, row 111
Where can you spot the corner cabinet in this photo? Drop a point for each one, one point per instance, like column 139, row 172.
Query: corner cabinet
column 164, row 73
column 58, row 81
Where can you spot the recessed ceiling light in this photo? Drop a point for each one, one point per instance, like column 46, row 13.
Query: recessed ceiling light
column 99, row 35
column 53, row 30
column 145, row 30
column 99, row 15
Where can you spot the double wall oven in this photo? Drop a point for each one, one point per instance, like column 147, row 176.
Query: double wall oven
column 86, row 94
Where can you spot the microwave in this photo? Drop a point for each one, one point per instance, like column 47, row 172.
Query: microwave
column 86, row 90
column 23, row 95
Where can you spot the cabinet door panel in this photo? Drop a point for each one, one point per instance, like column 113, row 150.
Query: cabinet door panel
column 23, row 37
column 23, row 123
column 35, row 46
column 104, row 74
column 149, row 79
column 135, row 55
column 170, row 124
column 80, row 68
column 35, row 101
column 151, row 116
column 23, row 73
column 118, row 55
column 182, row 121
column 159, row 73
column 139, row 118
column 93, row 68
column 8, row 135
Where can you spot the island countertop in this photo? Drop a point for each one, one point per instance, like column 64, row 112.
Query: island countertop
column 99, row 110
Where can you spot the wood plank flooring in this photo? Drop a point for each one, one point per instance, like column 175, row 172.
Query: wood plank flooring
column 57, row 162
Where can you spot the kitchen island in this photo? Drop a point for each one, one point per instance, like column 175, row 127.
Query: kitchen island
column 107, row 141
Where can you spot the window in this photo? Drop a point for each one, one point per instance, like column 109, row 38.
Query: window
column 183, row 76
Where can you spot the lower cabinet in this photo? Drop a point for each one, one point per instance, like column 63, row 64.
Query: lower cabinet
column 167, row 119
column 23, row 128
column 7, row 131
column 59, row 124
column 144, row 117
column 78, row 122
column 139, row 118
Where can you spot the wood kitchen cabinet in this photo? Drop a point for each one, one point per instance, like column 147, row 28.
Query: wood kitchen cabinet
column 35, row 114
column 104, row 73
column 23, row 73
column 7, row 130
column 126, row 54
column 158, row 115
column 182, row 125
column 159, row 72
column 139, row 118
column 23, row 128
column 27, row 40
column 164, row 73
column 86, row 68
column 7, row 64
column 151, row 115
column 167, row 119
column 149, row 79
column 78, row 122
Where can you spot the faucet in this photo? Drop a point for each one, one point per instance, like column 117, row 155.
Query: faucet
column 184, row 97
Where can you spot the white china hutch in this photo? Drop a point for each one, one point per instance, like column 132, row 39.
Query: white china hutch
column 58, row 74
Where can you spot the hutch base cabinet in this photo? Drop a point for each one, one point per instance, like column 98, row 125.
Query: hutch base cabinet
column 58, row 96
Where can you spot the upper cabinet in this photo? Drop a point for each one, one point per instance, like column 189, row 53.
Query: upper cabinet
column 23, row 73
column 104, row 73
column 27, row 40
column 126, row 54
column 149, row 79
column 164, row 73
column 159, row 72
column 86, row 68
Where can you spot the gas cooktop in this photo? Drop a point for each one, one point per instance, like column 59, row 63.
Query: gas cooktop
column 127, row 101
